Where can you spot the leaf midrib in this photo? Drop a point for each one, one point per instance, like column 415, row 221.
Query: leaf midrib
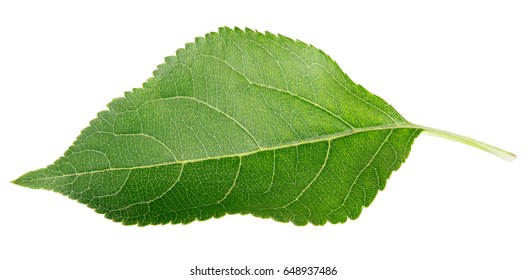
column 322, row 138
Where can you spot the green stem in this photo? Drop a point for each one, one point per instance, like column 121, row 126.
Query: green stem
column 468, row 141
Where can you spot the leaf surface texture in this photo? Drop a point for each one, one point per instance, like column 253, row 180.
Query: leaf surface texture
column 236, row 122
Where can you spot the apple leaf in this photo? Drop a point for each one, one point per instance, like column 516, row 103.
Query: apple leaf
column 238, row 122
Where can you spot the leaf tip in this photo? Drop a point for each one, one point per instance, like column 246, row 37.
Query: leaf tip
column 35, row 179
column 19, row 181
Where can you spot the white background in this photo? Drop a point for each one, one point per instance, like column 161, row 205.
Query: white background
column 450, row 212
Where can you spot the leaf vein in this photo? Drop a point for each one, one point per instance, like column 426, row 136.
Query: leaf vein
column 360, row 173
column 314, row 179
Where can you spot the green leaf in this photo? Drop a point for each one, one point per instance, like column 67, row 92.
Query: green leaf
column 238, row 122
